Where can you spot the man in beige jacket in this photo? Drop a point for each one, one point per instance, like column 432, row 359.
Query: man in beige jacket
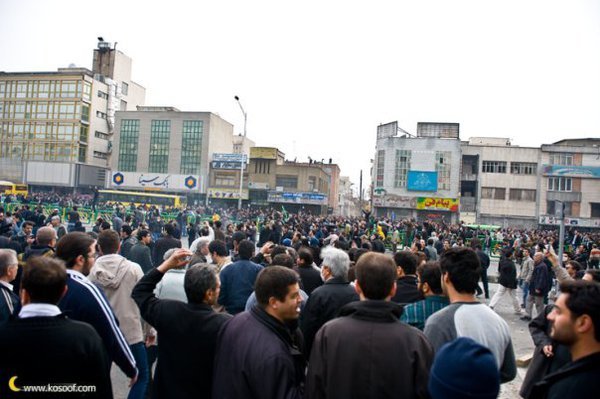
column 117, row 276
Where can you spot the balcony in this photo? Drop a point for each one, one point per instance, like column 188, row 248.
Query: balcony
column 468, row 176
column 564, row 196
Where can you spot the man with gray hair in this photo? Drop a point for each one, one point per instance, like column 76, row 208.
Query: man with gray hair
column 10, row 304
column 326, row 300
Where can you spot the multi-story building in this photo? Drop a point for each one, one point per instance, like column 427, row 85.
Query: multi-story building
column 417, row 177
column 571, row 174
column 174, row 146
column 499, row 183
column 56, row 127
column 270, row 180
column 347, row 203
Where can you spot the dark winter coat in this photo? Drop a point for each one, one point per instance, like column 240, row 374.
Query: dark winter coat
column 258, row 357
column 323, row 305
column 368, row 353
column 507, row 273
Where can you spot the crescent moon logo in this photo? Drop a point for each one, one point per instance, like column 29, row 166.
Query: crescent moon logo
column 12, row 386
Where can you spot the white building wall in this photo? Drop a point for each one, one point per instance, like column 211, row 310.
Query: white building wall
column 507, row 181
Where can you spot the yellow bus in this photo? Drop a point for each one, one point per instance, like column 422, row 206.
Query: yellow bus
column 140, row 198
column 8, row 188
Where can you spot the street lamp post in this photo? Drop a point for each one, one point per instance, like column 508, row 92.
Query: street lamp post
column 242, row 160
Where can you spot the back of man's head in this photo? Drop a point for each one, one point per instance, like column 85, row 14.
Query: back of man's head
column 475, row 243
column 237, row 237
column 199, row 279
column 170, row 229
column 217, row 247
column 284, row 260
column 407, row 261
column 376, row 275
column 126, row 229
column 45, row 236
column 44, row 280
column 73, row 245
column 430, row 241
column 463, row 268
column 431, row 274
column 108, row 242
column 306, row 255
column 246, row 249
column 583, row 298
column 274, row 281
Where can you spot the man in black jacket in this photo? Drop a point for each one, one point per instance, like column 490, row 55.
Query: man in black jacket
column 575, row 322
column 259, row 352
column 164, row 244
column 325, row 302
column 538, row 286
column 406, row 267
column 367, row 352
column 42, row 347
column 187, row 331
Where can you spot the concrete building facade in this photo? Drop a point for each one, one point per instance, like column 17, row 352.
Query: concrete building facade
column 570, row 173
column 499, row 183
column 270, row 180
column 60, row 123
column 417, row 177
column 166, row 141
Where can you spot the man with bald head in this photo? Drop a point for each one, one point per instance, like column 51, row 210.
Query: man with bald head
column 539, row 286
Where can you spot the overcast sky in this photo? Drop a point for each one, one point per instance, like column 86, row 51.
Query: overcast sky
column 317, row 77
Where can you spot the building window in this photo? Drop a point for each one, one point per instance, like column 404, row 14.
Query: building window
column 128, row 144
column 123, row 106
column 262, row 167
column 559, row 184
column 523, row 168
column 380, row 166
column 517, row 194
column 85, row 113
column 100, row 155
column 287, row 181
column 312, row 183
column 125, row 88
column 160, row 135
column 402, row 167
column 100, row 114
column 191, row 147
column 102, row 94
column 87, row 91
column 497, row 193
column 561, row 158
column 551, row 208
column 101, row 135
column 83, row 135
column 442, row 166
column 595, row 206
column 223, row 179
column 82, row 153
column 494, row 167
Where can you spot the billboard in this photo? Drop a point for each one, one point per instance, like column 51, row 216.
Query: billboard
column 227, row 193
column 155, row 181
column 572, row 171
column 230, row 165
column 263, row 152
column 434, row 203
column 422, row 181
column 229, row 157
column 297, row 198
column 395, row 201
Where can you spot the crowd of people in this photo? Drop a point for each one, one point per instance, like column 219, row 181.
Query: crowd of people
column 266, row 304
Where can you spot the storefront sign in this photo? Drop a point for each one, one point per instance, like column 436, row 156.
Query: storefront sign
column 445, row 204
column 297, row 198
column 155, row 181
column 227, row 193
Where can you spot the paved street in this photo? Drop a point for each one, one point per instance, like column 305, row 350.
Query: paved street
column 522, row 343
